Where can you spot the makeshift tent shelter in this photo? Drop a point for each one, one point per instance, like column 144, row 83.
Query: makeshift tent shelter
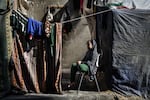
column 123, row 35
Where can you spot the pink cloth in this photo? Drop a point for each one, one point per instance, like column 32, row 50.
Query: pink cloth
column 81, row 6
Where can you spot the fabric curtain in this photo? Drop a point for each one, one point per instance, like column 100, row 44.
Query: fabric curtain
column 131, row 52
column 33, row 68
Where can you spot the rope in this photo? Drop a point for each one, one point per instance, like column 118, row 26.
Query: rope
column 78, row 18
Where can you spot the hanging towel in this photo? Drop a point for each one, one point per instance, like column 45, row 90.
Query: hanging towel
column 34, row 27
column 58, row 57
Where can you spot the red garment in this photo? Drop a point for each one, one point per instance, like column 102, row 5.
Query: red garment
column 81, row 6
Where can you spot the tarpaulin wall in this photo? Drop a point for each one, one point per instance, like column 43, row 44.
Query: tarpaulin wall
column 130, row 49
column 104, row 41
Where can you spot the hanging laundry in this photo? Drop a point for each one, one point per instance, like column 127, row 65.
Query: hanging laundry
column 51, row 36
column 81, row 5
column 58, row 58
column 18, row 21
column 53, row 45
column 47, row 28
column 50, row 30
column 49, row 19
column 52, row 39
column 34, row 28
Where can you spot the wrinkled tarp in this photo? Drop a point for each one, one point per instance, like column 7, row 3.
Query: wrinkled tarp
column 130, row 49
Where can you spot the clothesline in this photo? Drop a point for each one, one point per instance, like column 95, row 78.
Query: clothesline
column 93, row 14
column 78, row 18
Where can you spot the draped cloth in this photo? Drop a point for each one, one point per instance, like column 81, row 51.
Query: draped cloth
column 123, row 35
column 33, row 68
column 58, row 59
column 27, row 67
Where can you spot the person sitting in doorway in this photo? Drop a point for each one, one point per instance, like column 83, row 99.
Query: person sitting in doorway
column 87, row 65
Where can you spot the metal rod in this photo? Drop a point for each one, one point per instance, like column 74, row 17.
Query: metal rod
column 96, row 83
column 55, row 6
column 80, row 82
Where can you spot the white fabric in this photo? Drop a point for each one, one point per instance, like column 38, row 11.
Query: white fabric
column 138, row 4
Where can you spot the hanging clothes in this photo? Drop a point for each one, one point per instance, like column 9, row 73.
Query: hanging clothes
column 49, row 65
column 58, row 57
column 18, row 21
column 34, row 28
column 53, row 45
column 52, row 38
column 47, row 25
column 50, row 30
column 39, row 68
column 81, row 5
column 27, row 68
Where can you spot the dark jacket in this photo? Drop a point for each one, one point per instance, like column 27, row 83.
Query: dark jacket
column 91, row 58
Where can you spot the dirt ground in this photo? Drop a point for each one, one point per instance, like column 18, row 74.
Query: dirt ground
column 73, row 95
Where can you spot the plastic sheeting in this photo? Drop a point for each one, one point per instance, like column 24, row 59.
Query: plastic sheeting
column 138, row 4
column 104, row 32
column 123, row 35
column 131, row 52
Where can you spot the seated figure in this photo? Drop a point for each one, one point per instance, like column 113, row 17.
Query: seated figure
column 86, row 65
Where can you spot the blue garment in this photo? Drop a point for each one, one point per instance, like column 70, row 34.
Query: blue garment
column 34, row 27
